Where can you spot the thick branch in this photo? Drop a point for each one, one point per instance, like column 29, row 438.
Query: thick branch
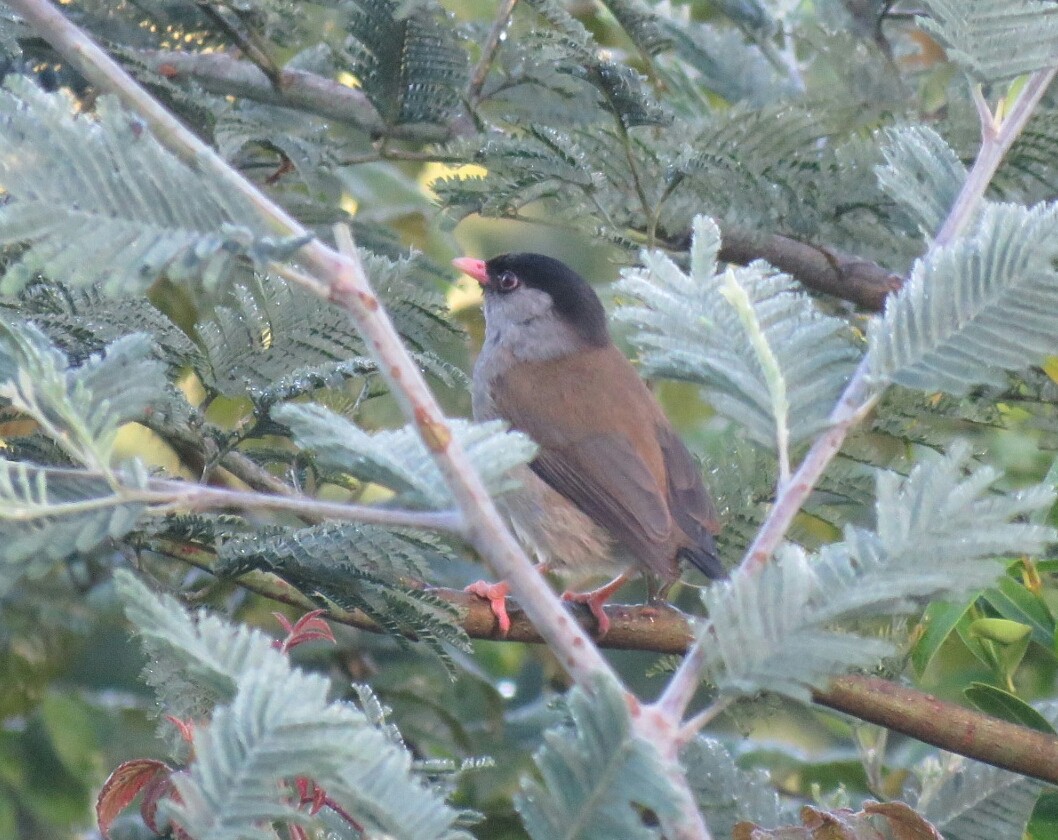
column 818, row 267
column 224, row 75
column 666, row 631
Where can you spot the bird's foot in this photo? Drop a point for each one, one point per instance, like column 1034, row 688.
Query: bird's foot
column 496, row 594
column 594, row 602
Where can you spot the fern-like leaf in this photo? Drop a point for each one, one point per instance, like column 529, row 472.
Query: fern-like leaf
column 979, row 34
column 359, row 567
column 407, row 60
column 398, row 459
column 102, row 202
column 47, row 516
column 725, row 793
column 767, row 357
column 922, row 173
column 275, row 724
column 778, row 630
column 596, row 775
column 81, row 322
column 972, row 309
column 79, row 408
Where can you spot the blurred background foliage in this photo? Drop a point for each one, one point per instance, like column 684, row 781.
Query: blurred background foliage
column 599, row 128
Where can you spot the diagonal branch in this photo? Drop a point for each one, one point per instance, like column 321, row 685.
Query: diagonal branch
column 341, row 279
column 859, row 395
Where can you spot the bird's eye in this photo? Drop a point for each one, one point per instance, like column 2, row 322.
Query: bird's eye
column 508, row 281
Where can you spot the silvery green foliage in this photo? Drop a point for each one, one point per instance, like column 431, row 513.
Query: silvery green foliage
column 922, row 173
column 985, row 304
column 363, row 567
column 725, row 793
column 80, row 408
column 100, row 201
column 995, row 39
column 274, row 723
column 779, row 630
column 967, row 800
column 46, row 516
column 271, row 337
column 274, row 341
column 397, row 459
column 768, row 358
column 597, row 775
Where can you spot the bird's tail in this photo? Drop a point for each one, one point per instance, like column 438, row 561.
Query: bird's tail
column 703, row 556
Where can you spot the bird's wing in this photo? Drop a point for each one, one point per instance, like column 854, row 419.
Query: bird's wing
column 689, row 502
column 604, row 477
column 597, row 446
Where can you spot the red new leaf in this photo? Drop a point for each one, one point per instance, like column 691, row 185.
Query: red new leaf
column 123, row 785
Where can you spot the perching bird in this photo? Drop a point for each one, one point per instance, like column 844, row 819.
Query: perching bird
column 612, row 488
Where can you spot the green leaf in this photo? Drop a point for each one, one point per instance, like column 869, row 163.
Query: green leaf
column 101, row 202
column 767, row 357
column 1012, row 600
column 940, row 620
column 398, row 459
column 80, row 408
column 1000, row 630
column 360, row 567
column 985, row 304
column 597, row 775
column 408, row 60
column 1006, row 706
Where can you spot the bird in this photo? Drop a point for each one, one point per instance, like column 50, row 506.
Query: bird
column 612, row 488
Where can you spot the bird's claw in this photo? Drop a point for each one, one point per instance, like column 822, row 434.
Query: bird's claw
column 594, row 601
column 496, row 594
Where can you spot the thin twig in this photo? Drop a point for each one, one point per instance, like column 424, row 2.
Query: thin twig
column 996, row 141
column 202, row 497
column 489, row 50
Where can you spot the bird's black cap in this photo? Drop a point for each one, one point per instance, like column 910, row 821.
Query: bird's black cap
column 575, row 300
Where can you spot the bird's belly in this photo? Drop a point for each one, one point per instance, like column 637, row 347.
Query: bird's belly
column 550, row 527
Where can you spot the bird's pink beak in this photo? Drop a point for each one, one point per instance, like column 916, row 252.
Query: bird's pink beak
column 475, row 268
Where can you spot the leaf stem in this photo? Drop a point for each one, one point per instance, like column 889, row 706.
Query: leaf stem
column 489, row 50
column 996, row 139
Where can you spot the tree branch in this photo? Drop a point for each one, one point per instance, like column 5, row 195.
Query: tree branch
column 818, row 267
column 339, row 277
column 665, row 630
column 224, row 75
